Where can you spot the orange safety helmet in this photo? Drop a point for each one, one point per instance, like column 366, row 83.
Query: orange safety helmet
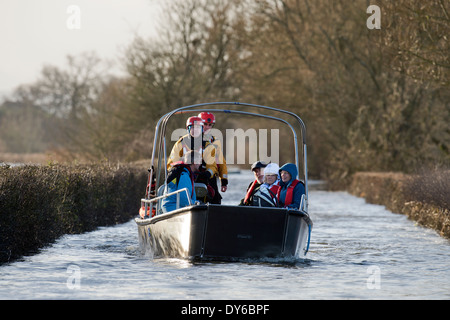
column 192, row 120
column 207, row 117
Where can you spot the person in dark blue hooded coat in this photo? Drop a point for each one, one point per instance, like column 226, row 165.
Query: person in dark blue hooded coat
column 290, row 193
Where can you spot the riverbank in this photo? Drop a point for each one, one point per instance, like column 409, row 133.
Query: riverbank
column 40, row 203
column 423, row 198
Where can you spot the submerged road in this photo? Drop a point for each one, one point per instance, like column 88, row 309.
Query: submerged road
column 358, row 251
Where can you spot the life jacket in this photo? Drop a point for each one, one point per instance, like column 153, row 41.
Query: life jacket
column 209, row 162
column 274, row 189
column 176, row 171
column 143, row 214
column 250, row 192
column 188, row 142
column 266, row 197
column 289, row 193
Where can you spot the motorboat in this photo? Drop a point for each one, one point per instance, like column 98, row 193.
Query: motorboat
column 206, row 231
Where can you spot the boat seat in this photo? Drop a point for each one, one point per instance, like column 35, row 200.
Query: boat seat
column 201, row 191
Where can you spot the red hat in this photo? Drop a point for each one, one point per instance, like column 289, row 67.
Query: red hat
column 194, row 120
column 207, row 117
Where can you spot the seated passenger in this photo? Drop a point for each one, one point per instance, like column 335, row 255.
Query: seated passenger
column 271, row 178
column 290, row 193
column 266, row 196
column 180, row 176
column 258, row 172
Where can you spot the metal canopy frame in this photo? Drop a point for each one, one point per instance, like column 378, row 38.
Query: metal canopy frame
column 160, row 132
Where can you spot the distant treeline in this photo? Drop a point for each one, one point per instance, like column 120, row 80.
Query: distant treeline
column 372, row 100
column 38, row 204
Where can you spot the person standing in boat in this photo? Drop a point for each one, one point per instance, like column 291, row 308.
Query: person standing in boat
column 258, row 172
column 193, row 140
column 209, row 120
column 180, row 176
column 290, row 193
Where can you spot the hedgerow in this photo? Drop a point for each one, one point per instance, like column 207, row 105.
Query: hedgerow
column 40, row 203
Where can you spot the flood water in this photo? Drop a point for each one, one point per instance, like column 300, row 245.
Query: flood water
column 357, row 251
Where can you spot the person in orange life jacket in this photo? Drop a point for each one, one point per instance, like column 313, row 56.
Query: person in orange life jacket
column 180, row 176
column 194, row 141
column 253, row 187
column 191, row 141
column 290, row 193
column 220, row 171
column 209, row 120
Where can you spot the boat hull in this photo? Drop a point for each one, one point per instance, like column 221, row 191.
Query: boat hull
column 219, row 232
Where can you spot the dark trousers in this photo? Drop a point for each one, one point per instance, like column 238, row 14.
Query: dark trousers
column 217, row 199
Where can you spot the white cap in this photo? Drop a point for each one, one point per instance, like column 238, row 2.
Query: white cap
column 271, row 168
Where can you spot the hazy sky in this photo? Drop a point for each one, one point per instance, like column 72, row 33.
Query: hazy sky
column 38, row 32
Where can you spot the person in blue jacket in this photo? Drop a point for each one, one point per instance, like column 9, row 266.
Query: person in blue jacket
column 290, row 193
column 180, row 176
